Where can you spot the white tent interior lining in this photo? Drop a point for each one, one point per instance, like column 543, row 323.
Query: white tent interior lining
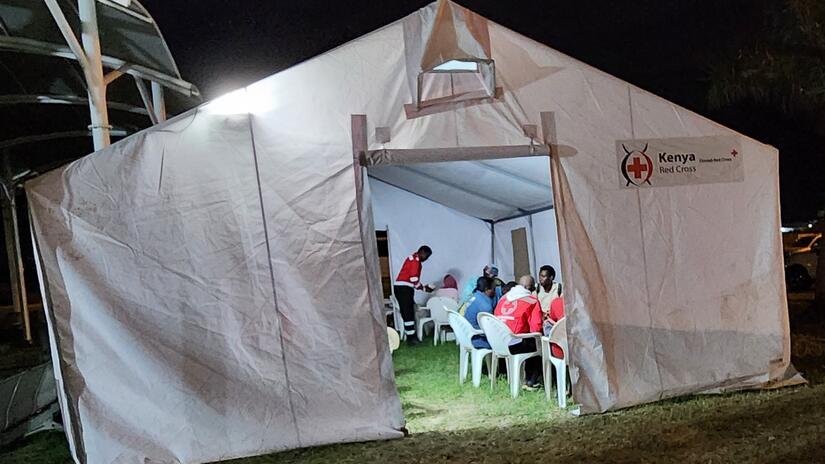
column 465, row 210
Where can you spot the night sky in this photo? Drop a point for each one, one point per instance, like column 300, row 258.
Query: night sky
column 664, row 46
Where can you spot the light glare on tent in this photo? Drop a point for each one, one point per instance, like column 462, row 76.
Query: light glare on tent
column 238, row 102
column 457, row 65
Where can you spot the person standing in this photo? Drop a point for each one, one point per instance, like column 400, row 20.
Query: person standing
column 407, row 282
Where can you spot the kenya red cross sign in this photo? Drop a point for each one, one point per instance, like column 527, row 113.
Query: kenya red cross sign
column 679, row 161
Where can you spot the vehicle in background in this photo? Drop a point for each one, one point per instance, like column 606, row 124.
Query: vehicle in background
column 800, row 261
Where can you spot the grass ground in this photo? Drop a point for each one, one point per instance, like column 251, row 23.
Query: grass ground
column 460, row 424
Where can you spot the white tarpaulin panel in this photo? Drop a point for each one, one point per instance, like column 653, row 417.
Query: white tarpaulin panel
column 175, row 347
column 212, row 282
column 546, row 241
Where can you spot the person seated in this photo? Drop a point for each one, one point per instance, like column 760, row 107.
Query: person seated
column 449, row 288
column 508, row 286
column 489, row 270
column 520, row 310
column 548, row 289
column 555, row 314
column 481, row 302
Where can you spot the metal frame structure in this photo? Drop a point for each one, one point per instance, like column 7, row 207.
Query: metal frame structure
column 406, row 161
column 99, row 71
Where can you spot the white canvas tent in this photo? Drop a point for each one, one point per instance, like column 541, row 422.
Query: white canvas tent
column 212, row 283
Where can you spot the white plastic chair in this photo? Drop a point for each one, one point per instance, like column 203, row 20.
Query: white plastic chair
column 558, row 335
column 499, row 337
column 393, row 338
column 389, row 310
column 439, row 308
column 397, row 321
column 464, row 333
column 421, row 321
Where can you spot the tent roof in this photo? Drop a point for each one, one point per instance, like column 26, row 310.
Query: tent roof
column 491, row 190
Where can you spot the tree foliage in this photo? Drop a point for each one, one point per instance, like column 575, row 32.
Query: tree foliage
column 782, row 63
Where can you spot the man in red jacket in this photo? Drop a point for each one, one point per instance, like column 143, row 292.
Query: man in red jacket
column 521, row 311
column 407, row 282
column 556, row 314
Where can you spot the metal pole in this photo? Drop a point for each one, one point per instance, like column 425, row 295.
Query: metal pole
column 492, row 242
column 532, row 253
column 158, row 102
column 90, row 38
column 147, row 100
column 68, row 34
column 15, row 259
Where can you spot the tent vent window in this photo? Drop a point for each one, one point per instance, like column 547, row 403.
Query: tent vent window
column 457, row 66
column 457, row 81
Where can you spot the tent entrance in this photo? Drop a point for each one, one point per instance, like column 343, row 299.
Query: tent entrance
column 473, row 206
column 471, row 213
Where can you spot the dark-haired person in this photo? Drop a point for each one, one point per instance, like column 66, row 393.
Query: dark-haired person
column 480, row 302
column 548, row 289
column 407, row 282
column 508, row 286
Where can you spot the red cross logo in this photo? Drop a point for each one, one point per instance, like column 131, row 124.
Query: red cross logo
column 734, row 152
column 637, row 168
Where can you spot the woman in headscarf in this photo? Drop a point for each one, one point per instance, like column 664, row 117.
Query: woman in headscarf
column 449, row 288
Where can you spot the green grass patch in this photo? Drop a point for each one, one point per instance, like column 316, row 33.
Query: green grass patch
column 433, row 400
column 456, row 423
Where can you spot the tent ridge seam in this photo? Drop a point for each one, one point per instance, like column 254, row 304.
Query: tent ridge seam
column 272, row 278
column 644, row 257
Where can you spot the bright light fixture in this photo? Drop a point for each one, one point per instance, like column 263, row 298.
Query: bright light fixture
column 457, row 65
column 235, row 102
column 242, row 101
column 810, row 226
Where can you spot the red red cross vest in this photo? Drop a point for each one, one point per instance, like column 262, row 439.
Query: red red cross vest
column 410, row 273
column 523, row 315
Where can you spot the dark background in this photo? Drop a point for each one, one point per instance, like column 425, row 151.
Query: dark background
column 664, row 46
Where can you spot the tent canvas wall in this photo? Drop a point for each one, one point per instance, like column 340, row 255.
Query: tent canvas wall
column 212, row 284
